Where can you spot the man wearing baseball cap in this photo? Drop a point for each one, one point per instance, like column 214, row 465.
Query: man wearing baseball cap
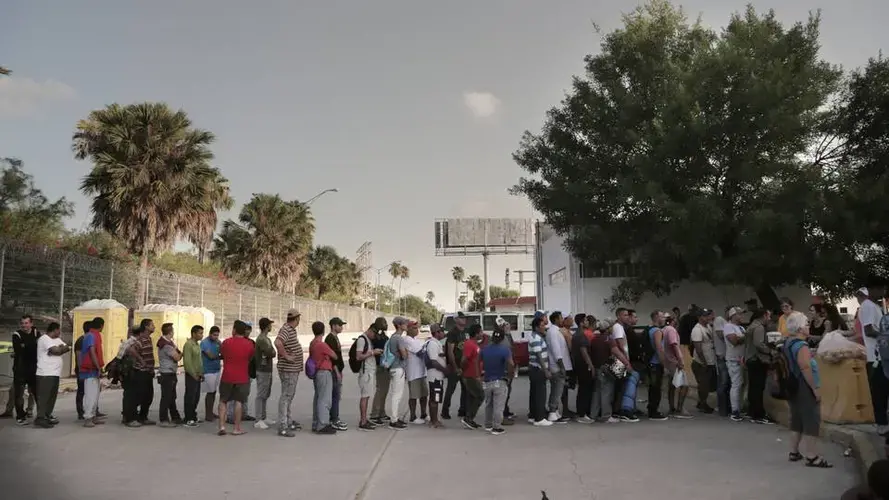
column 734, row 358
column 290, row 364
column 265, row 358
column 333, row 340
column 869, row 316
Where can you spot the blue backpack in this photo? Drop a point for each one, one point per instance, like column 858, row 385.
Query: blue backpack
column 388, row 356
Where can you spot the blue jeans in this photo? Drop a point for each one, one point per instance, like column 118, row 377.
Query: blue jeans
column 723, row 387
column 322, row 401
column 631, row 383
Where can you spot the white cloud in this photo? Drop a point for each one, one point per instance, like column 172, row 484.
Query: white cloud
column 20, row 97
column 481, row 104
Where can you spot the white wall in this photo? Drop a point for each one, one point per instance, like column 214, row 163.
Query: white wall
column 552, row 257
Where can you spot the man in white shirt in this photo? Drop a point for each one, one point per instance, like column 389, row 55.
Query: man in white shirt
column 734, row 359
column 622, row 386
column 50, row 350
column 704, row 359
column 436, row 363
column 415, row 374
column 723, row 380
column 869, row 315
column 560, row 362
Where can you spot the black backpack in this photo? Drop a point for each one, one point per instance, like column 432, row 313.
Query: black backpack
column 354, row 363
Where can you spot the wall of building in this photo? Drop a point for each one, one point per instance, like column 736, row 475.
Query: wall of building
column 555, row 276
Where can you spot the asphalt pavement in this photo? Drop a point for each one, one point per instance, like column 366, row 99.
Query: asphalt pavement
column 705, row 458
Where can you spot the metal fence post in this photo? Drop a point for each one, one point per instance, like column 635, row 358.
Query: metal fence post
column 2, row 271
column 62, row 292
column 111, row 283
column 178, row 285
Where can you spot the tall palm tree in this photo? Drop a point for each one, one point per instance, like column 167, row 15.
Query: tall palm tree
column 430, row 296
column 403, row 273
column 329, row 272
column 151, row 176
column 271, row 241
column 474, row 284
column 202, row 227
column 394, row 271
column 458, row 273
column 461, row 300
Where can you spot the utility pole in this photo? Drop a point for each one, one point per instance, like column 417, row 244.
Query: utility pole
column 521, row 280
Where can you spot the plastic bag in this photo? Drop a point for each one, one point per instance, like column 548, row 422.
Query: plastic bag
column 679, row 379
column 834, row 348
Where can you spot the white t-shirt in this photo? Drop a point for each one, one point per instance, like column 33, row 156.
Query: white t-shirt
column 733, row 352
column 718, row 338
column 705, row 355
column 48, row 365
column 869, row 314
column 415, row 367
column 435, row 352
column 617, row 332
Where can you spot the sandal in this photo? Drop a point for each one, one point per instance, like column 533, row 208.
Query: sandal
column 818, row 462
column 221, row 432
column 795, row 456
column 238, row 433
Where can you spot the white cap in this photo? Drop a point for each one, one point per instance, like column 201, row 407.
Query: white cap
column 733, row 311
column 864, row 291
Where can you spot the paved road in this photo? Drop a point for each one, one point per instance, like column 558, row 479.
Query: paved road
column 707, row 458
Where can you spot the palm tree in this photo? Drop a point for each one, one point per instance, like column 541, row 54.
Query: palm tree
column 5, row 71
column 458, row 274
column 328, row 272
column 202, row 227
column 474, row 284
column 151, row 176
column 430, row 296
column 461, row 300
column 403, row 273
column 271, row 241
column 394, row 271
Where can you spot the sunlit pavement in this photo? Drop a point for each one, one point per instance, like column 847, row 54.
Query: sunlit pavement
column 705, row 458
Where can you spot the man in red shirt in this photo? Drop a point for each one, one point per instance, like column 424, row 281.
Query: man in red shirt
column 321, row 354
column 236, row 353
column 472, row 374
column 92, row 363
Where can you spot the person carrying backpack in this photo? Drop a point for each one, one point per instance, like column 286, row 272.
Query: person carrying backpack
column 804, row 397
column 656, row 360
column 362, row 360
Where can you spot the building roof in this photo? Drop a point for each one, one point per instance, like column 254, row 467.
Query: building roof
column 513, row 301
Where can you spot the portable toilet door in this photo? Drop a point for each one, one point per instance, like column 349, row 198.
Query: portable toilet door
column 116, row 316
column 158, row 314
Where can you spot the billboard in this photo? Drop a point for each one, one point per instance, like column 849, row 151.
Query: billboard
column 474, row 236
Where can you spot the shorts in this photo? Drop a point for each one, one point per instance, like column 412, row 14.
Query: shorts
column 805, row 412
column 210, row 383
column 436, row 390
column 418, row 388
column 367, row 385
column 233, row 392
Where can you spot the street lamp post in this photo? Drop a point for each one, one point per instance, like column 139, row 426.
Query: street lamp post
column 401, row 299
column 322, row 193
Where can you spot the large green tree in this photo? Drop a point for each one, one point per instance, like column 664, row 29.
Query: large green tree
column 26, row 213
column 269, row 244
column 330, row 275
column 152, row 181
column 690, row 152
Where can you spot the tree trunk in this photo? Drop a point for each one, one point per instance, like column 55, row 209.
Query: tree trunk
column 456, row 294
column 202, row 253
column 768, row 298
column 141, row 285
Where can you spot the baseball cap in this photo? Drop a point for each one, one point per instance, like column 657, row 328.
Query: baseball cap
column 398, row 320
column 380, row 324
column 863, row 291
column 734, row 310
column 460, row 314
column 497, row 335
column 539, row 314
column 265, row 323
column 336, row 321
column 293, row 313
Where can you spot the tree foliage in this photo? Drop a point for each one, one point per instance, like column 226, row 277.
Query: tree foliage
column 152, row 181
column 698, row 155
column 269, row 244
column 416, row 307
column 330, row 274
column 25, row 212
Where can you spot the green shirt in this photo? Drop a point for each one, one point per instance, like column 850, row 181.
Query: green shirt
column 191, row 358
column 264, row 353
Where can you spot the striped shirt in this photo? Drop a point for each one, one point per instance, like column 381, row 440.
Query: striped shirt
column 145, row 361
column 288, row 336
column 537, row 351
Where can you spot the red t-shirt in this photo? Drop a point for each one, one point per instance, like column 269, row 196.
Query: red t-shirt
column 236, row 353
column 86, row 362
column 321, row 354
column 470, row 359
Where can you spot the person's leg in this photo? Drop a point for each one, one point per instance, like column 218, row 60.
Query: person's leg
column 175, row 416
column 556, row 385
column 147, row 395
column 436, row 393
column 618, row 395
column 461, row 411
column 43, row 388
column 757, row 372
column 655, row 388
column 736, row 377
column 239, row 412
column 449, row 393
column 631, row 383
column 396, row 392
column 245, row 406
column 263, row 392
column 381, row 394
column 189, row 404
column 328, row 380
column 671, row 390
column 538, row 394
column 163, row 411
column 90, row 399
column 723, row 387
column 583, row 396
column 411, row 404
column 878, row 394
column 288, row 389
column 53, row 396
column 78, row 399
column 702, row 378
column 474, row 395
column 488, row 388
column 506, row 411
column 366, row 387
column 499, row 397
column 336, row 391
column 18, row 394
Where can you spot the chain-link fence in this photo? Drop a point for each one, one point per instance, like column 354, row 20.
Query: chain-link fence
column 47, row 283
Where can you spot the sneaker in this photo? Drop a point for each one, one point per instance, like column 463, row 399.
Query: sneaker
column 286, row 433
column 488, row 428
column 553, row 416
column 53, row 420
column 736, row 417
column 531, row 420
column 80, row 417
column 378, row 422
column 22, row 421
column 385, row 418
column 395, row 426
column 508, row 422
column 469, row 424
column 584, row 420
column 133, row 424
column 42, row 423
column 366, row 426
column 29, row 414
column 326, row 430
column 683, row 415
column 191, row 423
column 497, row 431
column 148, row 421
column 563, row 420
column 372, row 424
column 762, row 421
column 294, row 426
column 260, row 424
column 657, row 416
column 445, row 415
column 706, row 410
column 249, row 418
column 100, row 415
column 166, row 424
column 543, row 423
column 628, row 417
column 340, row 426
column 613, row 420
column 89, row 423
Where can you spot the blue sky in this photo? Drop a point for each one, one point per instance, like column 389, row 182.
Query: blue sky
column 410, row 108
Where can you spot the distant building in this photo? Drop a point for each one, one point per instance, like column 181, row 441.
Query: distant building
column 514, row 304
column 564, row 284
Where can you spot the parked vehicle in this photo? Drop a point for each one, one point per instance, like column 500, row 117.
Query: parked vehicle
column 520, row 328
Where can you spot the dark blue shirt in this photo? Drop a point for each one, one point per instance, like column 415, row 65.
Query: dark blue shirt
column 210, row 365
column 494, row 361
column 651, row 331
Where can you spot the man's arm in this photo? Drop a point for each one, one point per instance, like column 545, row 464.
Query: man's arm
column 94, row 357
column 58, row 350
column 870, row 329
column 553, row 341
column 174, row 353
column 211, row 355
column 659, row 346
column 267, row 349
column 585, row 354
column 282, row 352
column 510, row 367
